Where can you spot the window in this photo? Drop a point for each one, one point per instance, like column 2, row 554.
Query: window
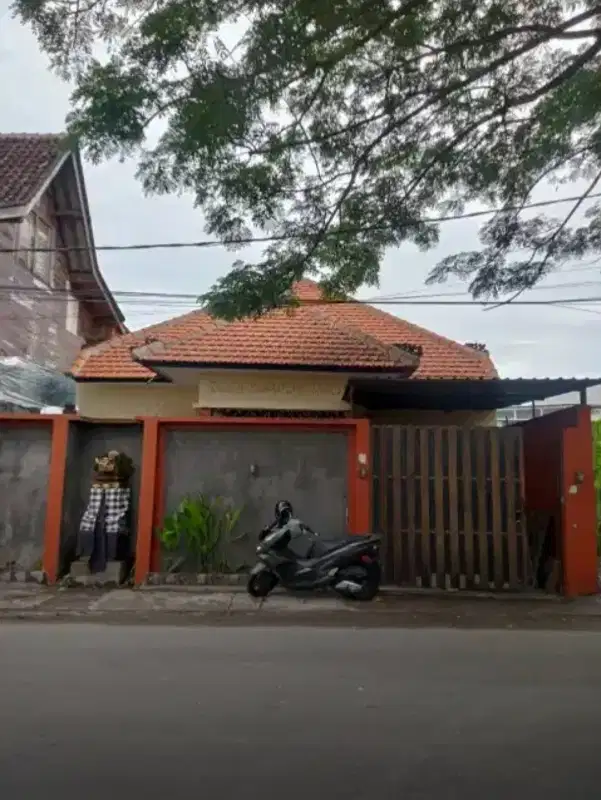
column 34, row 233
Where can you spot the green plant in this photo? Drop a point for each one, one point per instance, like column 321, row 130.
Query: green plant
column 200, row 525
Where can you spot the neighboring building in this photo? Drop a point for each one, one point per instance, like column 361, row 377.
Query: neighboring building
column 51, row 303
column 513, row 414
column 320, row 359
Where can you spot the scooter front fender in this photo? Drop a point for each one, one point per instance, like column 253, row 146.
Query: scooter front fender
column 260, row 567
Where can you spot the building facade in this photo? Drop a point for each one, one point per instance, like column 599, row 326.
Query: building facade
column 53, row 298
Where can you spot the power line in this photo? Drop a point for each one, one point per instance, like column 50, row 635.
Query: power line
column 292, row 237
column 149, row 309
column 416, row 302
column 176, row 298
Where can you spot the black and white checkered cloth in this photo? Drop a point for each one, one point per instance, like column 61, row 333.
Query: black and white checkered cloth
column 116, row 506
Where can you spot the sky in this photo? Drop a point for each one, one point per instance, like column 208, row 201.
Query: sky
column 525, row 341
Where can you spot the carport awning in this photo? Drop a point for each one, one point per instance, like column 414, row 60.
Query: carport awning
column 453, row 394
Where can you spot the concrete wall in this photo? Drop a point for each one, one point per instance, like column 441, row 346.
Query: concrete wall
column 128, row 401
column 24, row 471
column 213, row 389
column 307, row 468
column 86, row 441
column 246, row 389
column 275, row 389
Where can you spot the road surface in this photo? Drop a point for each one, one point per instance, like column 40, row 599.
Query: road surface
column 294, row 713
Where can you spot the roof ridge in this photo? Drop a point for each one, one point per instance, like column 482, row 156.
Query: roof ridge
column 159, row 350
column 462, row 347
column 166, row 346
column 393, row 352
column 372, row 308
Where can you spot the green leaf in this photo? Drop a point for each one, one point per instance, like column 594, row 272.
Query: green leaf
column 201, row 526
column 339, row 128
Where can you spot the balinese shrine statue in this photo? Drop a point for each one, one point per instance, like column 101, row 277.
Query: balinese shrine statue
column 106, row 520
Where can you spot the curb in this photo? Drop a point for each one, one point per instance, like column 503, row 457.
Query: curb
column 385, row 591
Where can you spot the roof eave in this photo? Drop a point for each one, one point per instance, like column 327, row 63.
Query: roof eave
column 157, row 365
column 156, row 378
column 87, row 221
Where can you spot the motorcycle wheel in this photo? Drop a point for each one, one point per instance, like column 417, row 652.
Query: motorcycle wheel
column 369, row 579
column 261, row 585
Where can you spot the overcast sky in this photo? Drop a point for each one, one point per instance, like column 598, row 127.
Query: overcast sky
column 524, row 342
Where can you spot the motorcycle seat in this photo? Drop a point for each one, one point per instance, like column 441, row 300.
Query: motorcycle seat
column 321, row 547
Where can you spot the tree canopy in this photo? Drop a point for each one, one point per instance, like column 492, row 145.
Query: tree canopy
column 340, row 127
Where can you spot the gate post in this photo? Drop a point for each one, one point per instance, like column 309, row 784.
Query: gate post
column 360, row 472
column 146, row 501
column 55, row 495
column 578, row 511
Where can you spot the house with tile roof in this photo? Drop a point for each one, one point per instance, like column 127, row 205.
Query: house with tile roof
column 318, row 359
column 53, row 298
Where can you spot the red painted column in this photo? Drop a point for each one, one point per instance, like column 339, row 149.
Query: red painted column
column 360, row 478
column 578, row 513
column 54, row 503
column 147, row 497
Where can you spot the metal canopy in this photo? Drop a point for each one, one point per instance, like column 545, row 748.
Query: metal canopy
column 455, row 394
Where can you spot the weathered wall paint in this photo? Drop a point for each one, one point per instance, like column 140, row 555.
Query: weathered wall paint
column 24, row 471
column 255, row 469
column 213, row 389
column 32, row 323
column 128, row 401
column 246, row 389
column 43, row 325
column 317, row 391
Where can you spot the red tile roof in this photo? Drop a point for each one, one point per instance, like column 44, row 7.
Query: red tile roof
column 346, row 335
column 26, row 160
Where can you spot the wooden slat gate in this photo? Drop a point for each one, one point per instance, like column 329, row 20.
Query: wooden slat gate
column 448, row 502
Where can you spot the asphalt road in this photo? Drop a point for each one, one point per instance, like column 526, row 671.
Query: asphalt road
column 98, row 711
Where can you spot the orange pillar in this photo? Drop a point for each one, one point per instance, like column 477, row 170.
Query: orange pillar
column 578, row 513
column 54, row 502
column 146, row 501
column 360, row 479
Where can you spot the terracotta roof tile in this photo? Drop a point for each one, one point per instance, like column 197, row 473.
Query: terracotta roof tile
column 113, row 358
column 304, row 337
column 353, row 336
column 441, row 357
column 25, row 161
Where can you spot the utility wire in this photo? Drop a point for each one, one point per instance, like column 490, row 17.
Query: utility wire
column 180, row 298
column 426, row 302
column 293, row 237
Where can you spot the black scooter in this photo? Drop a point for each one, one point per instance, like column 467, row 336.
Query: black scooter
column 290, row 553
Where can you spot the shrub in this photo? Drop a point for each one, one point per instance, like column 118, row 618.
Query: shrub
column 199, row 526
